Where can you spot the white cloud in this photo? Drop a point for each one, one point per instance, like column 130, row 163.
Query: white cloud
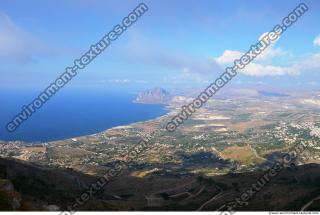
column 17, row 44
column 270, row 53
column 228, row 56
column 309, row 64
column 254, row 69
column 265, row 34
column 316, row 41
column 262, row 64
column 257, row 69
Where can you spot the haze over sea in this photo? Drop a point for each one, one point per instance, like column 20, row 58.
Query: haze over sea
column 72, row 113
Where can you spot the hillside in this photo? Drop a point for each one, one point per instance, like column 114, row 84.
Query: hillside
column 26, row 186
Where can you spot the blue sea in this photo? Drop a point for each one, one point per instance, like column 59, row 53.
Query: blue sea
column 72, row 113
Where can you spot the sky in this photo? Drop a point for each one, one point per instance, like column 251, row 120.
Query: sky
column 175, row 44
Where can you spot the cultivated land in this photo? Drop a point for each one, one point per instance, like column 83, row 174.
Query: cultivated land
column 214, row 156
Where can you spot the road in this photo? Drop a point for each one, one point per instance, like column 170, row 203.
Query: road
column 309, row 203
column 212, row 199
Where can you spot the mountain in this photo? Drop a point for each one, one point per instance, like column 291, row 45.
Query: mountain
column 25, row 186
column 156, row 95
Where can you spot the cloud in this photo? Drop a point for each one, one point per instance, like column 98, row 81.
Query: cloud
column 316, row 41
column 17, row 45
column 263, row 62
column 228, row 56
column 254, row 69
column 196, row 69
column 257, row 69
column 309, row 64
column 269, row 53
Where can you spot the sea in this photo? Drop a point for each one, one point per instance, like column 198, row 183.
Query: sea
column 72, row 113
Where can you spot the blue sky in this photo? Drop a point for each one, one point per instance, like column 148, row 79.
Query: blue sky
column 175, row 44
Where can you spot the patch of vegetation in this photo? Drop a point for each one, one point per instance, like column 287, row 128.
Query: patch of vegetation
column 268, row 127
column 210, row 181
column 243, row 117
column 3, row 171
column 5, row 201
column 40, row 189
column 299, row 202
column 284, row 114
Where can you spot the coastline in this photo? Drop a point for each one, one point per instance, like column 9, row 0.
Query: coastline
column 165, row 107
